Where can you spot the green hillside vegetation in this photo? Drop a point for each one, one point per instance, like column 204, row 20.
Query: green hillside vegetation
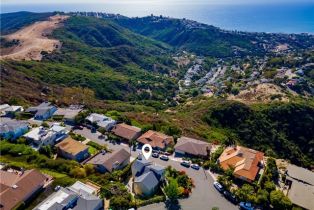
column 280, row 130
column 114, row 62
column 208, row 40
column 11, row 22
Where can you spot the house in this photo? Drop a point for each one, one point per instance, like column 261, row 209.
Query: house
column 13, row 129
column 68, row 114
column 146, row 177
column 191, row 147
column 18, row 188
column 79, row 196
column 156, row 139
column 72, row 149
column 7, row 110
column 107, row 162
column 41, row 136
column 43, row 111
column 101, row 121
column 126, row 132
column 300, row 184
column 246, row 162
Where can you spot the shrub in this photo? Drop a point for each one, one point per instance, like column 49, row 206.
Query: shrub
column 279, row 200
column 78, row 172
column 172, row 190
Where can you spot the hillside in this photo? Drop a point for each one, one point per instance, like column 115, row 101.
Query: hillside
column 136, row 66
column 29, row 42
column 11, row 22
column 110, row 60
column 208, row 40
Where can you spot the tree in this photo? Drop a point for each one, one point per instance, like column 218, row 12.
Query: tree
column 46, row 150
column 78, row 172
column 269, row 186
column 119, row 202
column 246, row 193
column 89, row 169
column 262, row 197
column 102, row 130
column 183, row 180
column 45, row 125
column 279, row 201
column 172, row 190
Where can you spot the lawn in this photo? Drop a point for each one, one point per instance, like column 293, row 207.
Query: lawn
column 92, row 150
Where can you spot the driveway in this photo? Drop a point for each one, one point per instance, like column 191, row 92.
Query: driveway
column 204, row 196
column 91, row 136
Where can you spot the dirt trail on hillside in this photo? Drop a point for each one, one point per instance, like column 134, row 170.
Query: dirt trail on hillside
column 32, row 40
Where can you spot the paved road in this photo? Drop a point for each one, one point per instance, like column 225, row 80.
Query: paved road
column 204, row 196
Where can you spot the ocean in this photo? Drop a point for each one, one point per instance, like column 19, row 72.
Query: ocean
column 279, row 18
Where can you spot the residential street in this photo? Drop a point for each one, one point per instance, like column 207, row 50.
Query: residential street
column 204, row 195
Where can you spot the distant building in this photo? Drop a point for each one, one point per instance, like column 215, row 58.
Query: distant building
column 107, row 162
column 41, row 136
column 147, row 177
column 13, row 129
column 192, row 147
column 72, row 149
column 300, row 182
column 126, row 132
column 156, row 139
column 43, row 111
column 101, row 121
column 7, row 110
column 246, row 162
column 69, row 113
column 19, row 188
column 79, row 196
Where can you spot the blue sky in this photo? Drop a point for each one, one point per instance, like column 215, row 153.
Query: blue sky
column 150, row 1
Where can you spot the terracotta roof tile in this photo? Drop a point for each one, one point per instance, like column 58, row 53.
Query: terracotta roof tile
column 155, row 139
column 244, row 160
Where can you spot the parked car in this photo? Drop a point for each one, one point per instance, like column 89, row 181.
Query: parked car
column 219, row 187
column 185, row 163
column 164, row 157
column 246, row 206
column 195, row 166
column 156, row 151
column 230, row 197
column 155, row 155
column 167, row 153
column 78, row 127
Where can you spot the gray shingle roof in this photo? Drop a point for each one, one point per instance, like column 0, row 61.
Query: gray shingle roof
column 301, row 174
column 10, row 126
column 109, row 160
column 192, row 146
column 138, row 166
column 148, row 180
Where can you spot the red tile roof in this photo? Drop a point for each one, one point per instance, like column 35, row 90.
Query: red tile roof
column 156, row 139
column 244, row 160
